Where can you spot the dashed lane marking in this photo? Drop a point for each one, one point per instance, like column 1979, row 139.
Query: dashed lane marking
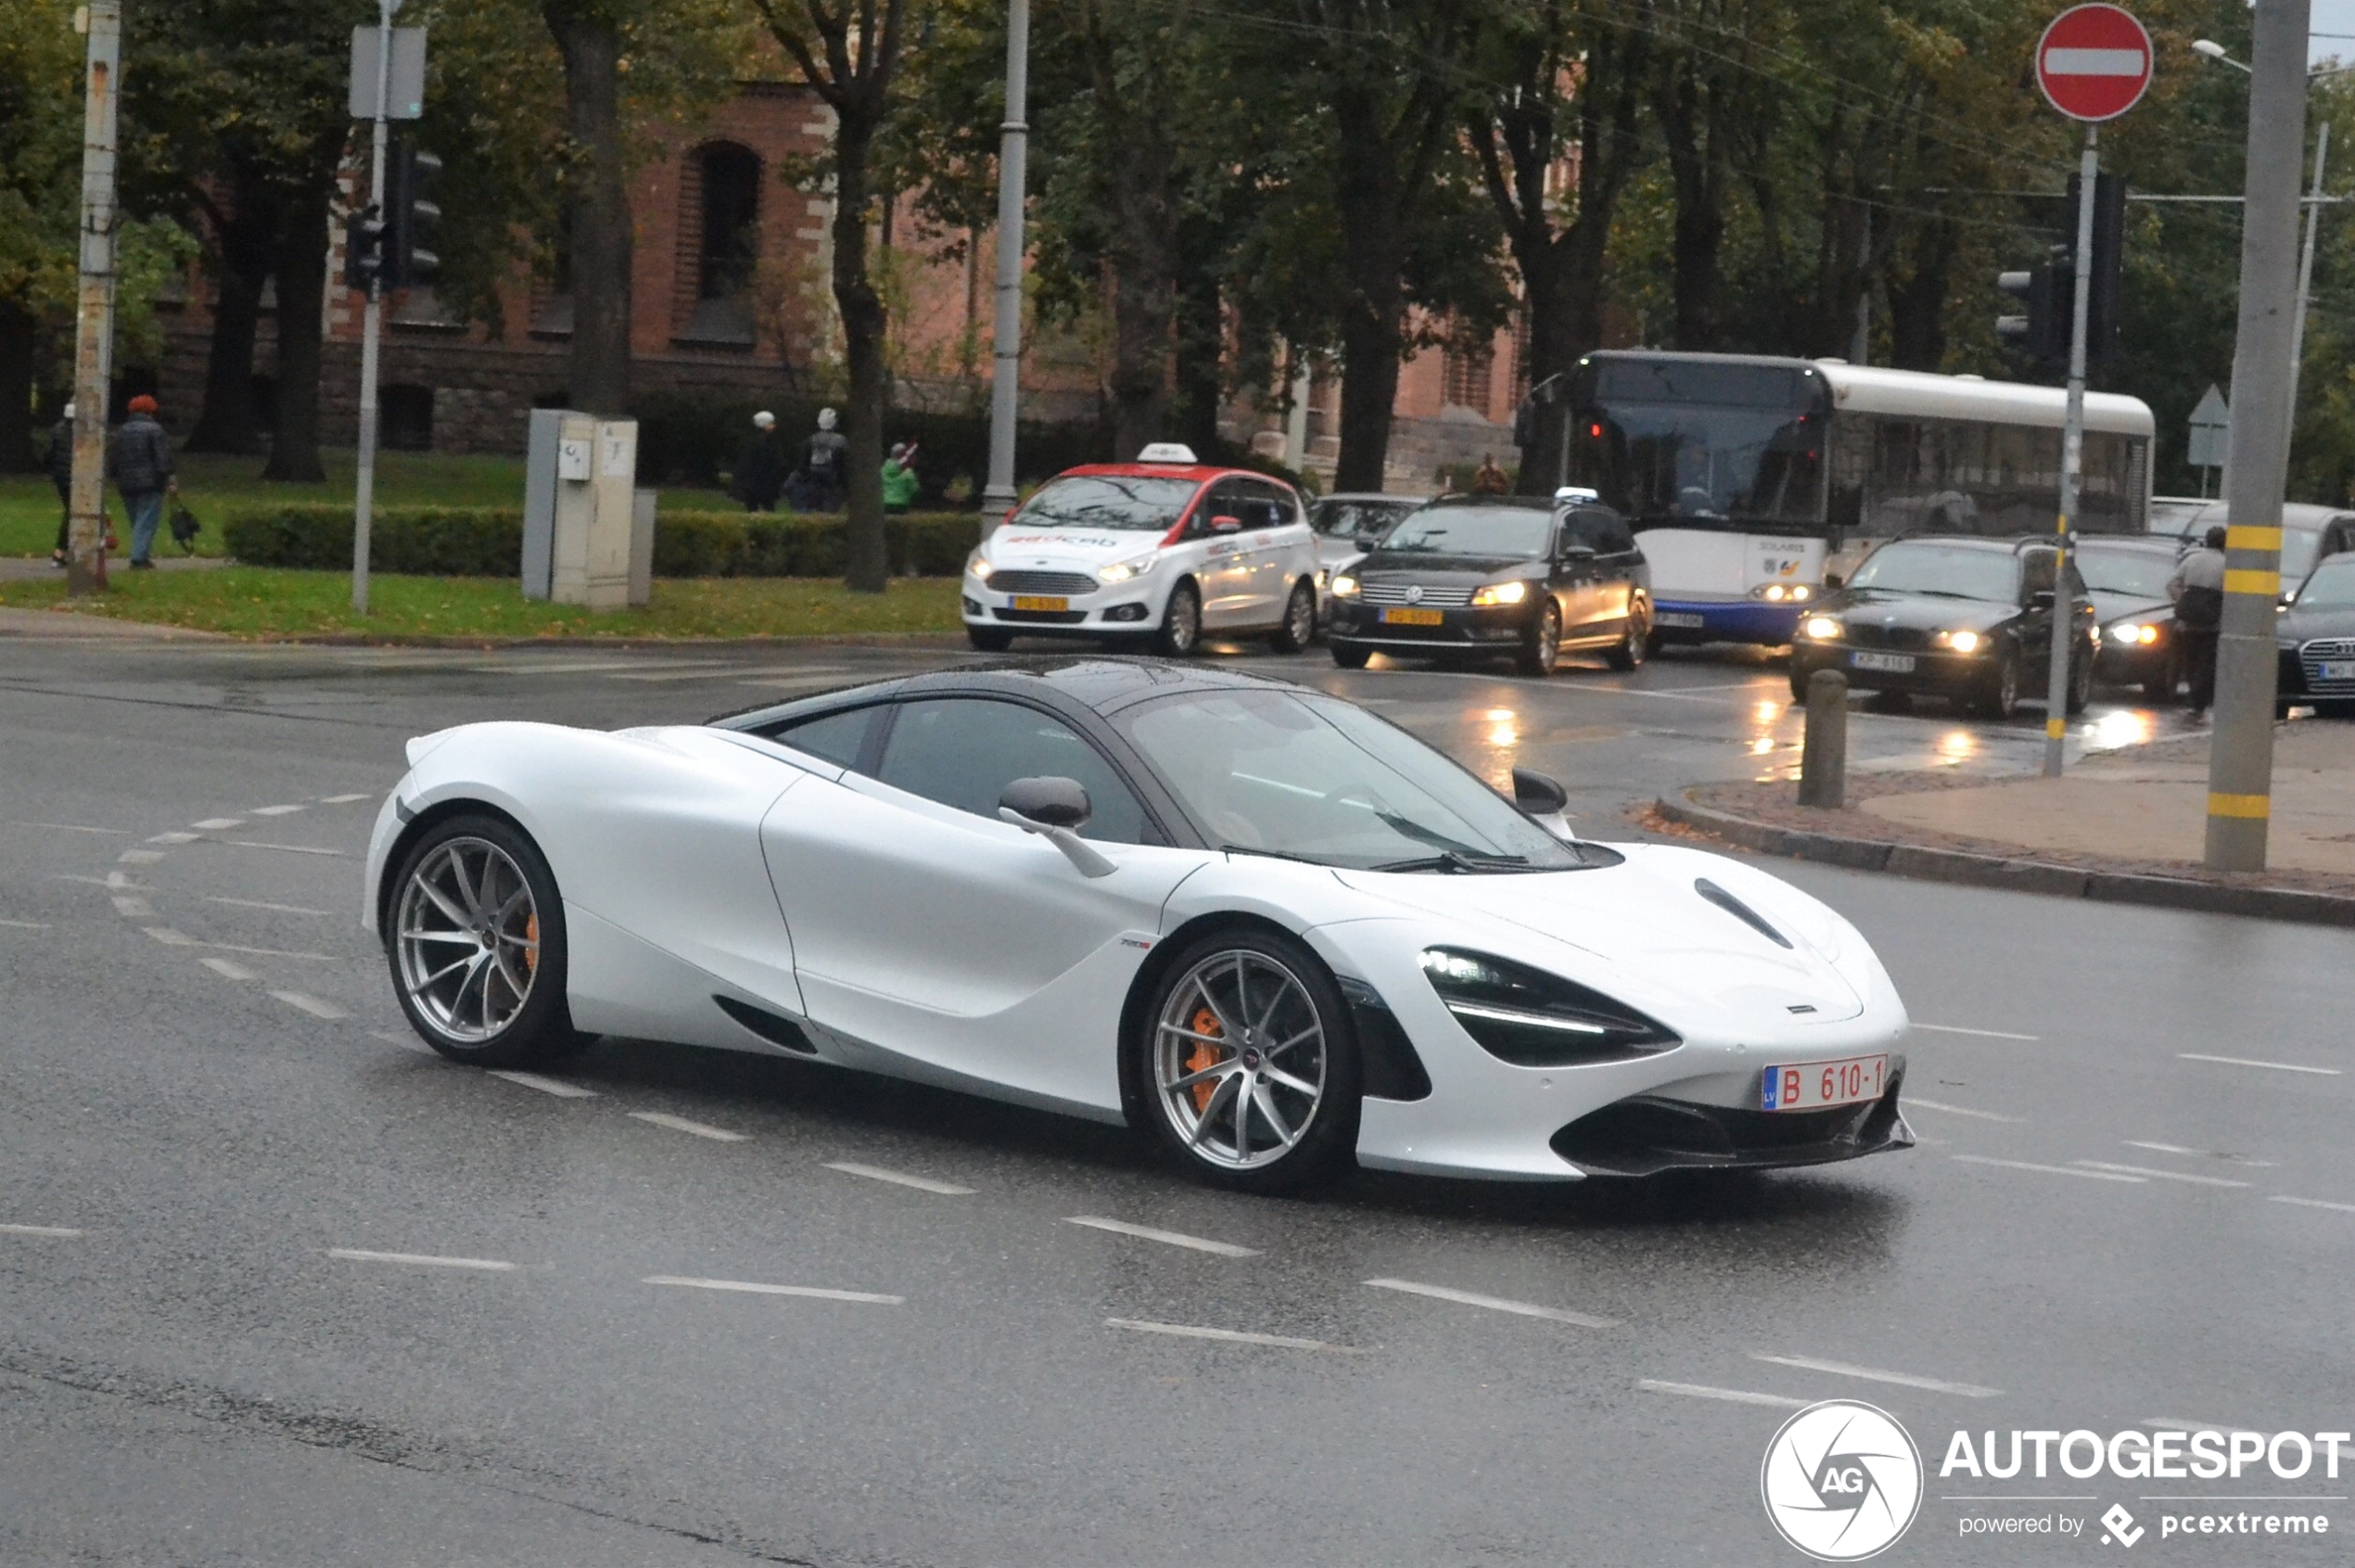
column 169, row 937
column 680, row 1124
column 139, row 856
column 218, row 824
column 174, row 837
column 269, row 953
column 77, row 827
column 2247, row 1062
column 2047, row 1171
column 1494, row 1303
column 258, row 904
column 422, row 1260
column 2160, row 1174
column 2314, row 1202
column 1167, row 1238
column 55, row 1232
column 1230, row 1336
column 1911, row 1101
column 900, row 1178
column 273, row 810
column 814, row 1293
column 1731, row 1395
column 289, row 848
column 557, row 1086
column 1982, row 1034
column 2177, row 1423
column 343, row 800
column 25, row 925
column 311, row 1004
column 2202, row 1154
column 227, row 970
column 407, row 1042
column 132, row 906
column 1874, row 1374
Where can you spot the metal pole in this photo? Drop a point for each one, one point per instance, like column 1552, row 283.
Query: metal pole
column 94, row 322
column 363, row 503
column 1005, row 373
column 1860, row 350
column 2089, row 169
column 2306, row 269
column 2240, row 754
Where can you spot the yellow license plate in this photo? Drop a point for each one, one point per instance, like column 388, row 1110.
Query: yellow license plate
column 1040, row 602
column 1396, row 617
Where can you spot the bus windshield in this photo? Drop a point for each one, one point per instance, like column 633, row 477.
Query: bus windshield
column 1704, row 444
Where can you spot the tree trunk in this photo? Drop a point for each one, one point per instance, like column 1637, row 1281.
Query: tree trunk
column 17, row 352
column 598, row 201
column 1373, row 315
column 302, row 294
column 1695, row 156
column 1200, row 351
column 1369, row 345
column 1918, row 300
column 867, row 569
column 227, row 422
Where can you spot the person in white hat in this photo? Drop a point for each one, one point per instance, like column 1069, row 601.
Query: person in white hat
column 824, row 465
column 761, row 466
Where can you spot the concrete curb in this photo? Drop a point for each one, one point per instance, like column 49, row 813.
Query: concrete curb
column 2020, row 876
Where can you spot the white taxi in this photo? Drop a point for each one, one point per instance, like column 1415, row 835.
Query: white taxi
column 1166, row 549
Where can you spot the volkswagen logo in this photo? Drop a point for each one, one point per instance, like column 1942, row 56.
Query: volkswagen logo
column 1415, row 595
column 1843, row 1481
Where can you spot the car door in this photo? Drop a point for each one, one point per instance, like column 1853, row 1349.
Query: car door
column 1583, row 574
column 934, row 940
column 1283, row 549
column 1618, row 568
column 1226, row 570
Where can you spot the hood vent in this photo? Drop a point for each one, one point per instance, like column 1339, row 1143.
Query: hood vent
column 1740, row 910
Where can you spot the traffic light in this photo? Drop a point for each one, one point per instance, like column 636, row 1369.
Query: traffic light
column 2042, row 333
column 2050, row 291
column 364, row 257
column 409, row 215
column 2109, row 263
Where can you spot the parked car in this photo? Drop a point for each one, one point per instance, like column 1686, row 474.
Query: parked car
column 2315, row 633
column 1474, row 577
column 2309, row 532
column 2127, row 577
column 1967, row 618
column 1164, row 550
column 1347, row 526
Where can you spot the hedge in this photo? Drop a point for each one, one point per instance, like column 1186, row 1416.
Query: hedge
column 487, row 541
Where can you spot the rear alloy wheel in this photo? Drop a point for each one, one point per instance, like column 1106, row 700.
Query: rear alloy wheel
column 1299, row 627
column 1250, row 1064
column 1541, row 646
column 989, row 639
column 1627, row 655
column 476, row 945
column 1180, row 633
column 2081, row 680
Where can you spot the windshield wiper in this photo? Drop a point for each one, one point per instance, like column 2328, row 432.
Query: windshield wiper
column 1272, row 854
column 1453, row 863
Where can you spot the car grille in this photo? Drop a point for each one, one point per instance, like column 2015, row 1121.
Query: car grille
column 1867, row 636
column 1397, row 593
column 2309, row 660
column 1065, row 584
column 1043, row 617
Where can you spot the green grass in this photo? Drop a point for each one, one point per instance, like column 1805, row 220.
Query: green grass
column 212, row 484
column 259, row 603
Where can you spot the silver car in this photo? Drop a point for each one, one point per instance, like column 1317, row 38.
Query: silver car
column 1346, row 526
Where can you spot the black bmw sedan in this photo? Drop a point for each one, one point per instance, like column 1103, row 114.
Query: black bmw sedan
column 1969, row 620
column 2315, row 633
column 1486, row 577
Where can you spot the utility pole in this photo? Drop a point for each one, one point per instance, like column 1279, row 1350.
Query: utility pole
column 2240, row 757
column 94, row 318
column 1005, row 375
column 2306, row 269
column 371, row 329
column 2089, row 170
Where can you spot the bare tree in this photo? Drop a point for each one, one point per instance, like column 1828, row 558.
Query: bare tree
column 588, row 36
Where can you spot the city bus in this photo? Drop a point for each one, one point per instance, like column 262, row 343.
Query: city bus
column 1752, row 481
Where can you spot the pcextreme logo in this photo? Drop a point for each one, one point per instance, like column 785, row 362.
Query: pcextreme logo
column 1843, row 1481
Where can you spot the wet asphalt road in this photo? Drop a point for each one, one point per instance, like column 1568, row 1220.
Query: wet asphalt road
column 207, row 1091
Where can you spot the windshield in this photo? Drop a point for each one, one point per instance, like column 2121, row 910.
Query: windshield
column 1317, row 779
column 1703, row 442
column 1519, row 531
column 2332, row 587
column 1349, row 519
column 2142, row 573
column 1142, row 504
column 1954, row 570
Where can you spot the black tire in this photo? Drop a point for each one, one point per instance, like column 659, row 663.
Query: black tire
column 538, row 1031
column 2081, row 680
column 1626, row 656
column 1351, row 657
column 1299, row 628
column 1999, row 699
column 989, row 639
column 1541, row 646
column 1798, row 685
column 1179, row 634
column 1326, row 1140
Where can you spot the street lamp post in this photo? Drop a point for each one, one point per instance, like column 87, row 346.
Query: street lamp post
column 94, row 319
column 1005, row 371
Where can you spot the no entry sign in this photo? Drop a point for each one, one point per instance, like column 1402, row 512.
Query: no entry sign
column 2093, row 62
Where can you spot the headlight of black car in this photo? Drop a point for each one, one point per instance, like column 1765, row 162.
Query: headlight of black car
column 1534, row 1019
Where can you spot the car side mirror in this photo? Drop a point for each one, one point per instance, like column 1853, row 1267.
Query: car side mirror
column 1576, row 555
column 1537, row 794
column 1054, row 808
column 1226, row 524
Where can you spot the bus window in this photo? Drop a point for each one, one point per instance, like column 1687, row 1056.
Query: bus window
column 1702, row 443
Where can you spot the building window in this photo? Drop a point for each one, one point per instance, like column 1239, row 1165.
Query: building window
column 724, row 209
column 1465, row 377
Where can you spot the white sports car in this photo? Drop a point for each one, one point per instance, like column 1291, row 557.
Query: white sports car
column 1274, row 928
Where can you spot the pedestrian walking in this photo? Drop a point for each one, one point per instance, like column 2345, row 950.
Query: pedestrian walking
column 1490, row 479
column 139, row 461
column 60, row 465
column 824, row 465
column 2197, row 589
column 899, row 482
column 761, row 466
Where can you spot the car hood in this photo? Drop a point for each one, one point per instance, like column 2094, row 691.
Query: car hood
column 1420, row 568
column 1015, row 546
column 2294, row 625
column 1924, row 611
column 2122, row 607
column 1646, row 916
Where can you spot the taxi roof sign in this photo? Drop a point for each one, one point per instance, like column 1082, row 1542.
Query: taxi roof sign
column 1168, row 452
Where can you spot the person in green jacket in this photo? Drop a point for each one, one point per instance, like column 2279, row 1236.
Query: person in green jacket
column 900, row 478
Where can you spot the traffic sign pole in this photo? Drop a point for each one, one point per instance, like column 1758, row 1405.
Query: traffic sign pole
column 372, row 328
column 2072, row 462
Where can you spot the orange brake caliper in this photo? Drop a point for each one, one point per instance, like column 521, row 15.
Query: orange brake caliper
column 1204, row 1055
column 531, row 935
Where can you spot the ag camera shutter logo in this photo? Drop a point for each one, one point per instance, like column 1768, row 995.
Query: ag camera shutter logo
column 1843, row 1481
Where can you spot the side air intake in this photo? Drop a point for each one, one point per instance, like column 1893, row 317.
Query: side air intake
column 767, row 1025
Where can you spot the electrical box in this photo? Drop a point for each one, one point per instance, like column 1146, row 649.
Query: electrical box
column 579, row 511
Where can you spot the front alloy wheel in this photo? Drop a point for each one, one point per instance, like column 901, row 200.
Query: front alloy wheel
column 1541, row 646
column 1180, row 632
column 1299, row 626
column 476, row 945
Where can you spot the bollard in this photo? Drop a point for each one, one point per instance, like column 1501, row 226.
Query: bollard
column 1823, row 759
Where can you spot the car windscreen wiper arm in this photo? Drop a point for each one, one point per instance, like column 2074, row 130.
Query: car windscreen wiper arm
column 1272, row 854
column 1450, row 862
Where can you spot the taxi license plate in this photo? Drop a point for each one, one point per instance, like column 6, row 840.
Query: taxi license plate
column 2336, row 669
column 1894, row 664
column 1396, row 616
column 1818, row 1084
column 1039, row 602
column 1684, row 619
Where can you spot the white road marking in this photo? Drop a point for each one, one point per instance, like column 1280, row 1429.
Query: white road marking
column 680, row 1124
column 1494, row 1303
column 557, row 1086
column 1731, row 1395
column 1230, row 1336
column 812, row 1292
column 1842, row 1368
column 2314, row 1202
column 1984, row 1034
column 218, row 824
column 2203, row 1153
column 1167, row 1238
column 311, row 1004
column 172, row 838
column 2048, row 1170
column 2161, row 1174
column 139, row 856
column 289, row 848
column 343, row 800
column 268, row 952
column 422, row 1260
column 227, row 970
column 900, row 1178
column 77, row 827
column 2176, row 1423
column 112, row 879
column 407, row 1042
column 25, row 925
column 58, row 1231
column 683, row 669
column 168, row 937
column 121, row 879
column 1911, row 1101
column 132, row 906
column 273, row 810
column 258, row 904
column 2271, row 1067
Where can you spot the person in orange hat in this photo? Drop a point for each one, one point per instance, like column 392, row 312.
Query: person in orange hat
column 139, row 461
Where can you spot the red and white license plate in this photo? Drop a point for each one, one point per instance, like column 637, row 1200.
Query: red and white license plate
column 1815, row 1085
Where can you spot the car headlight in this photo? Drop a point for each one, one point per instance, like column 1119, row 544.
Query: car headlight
column 1345, row 586
column 1960, row 642
column 1534, row 1019
column 1784, row 592
column 1822, row 629
column 2132, row 633
column 979, row 566
column 1121, row 571
column 1499, row 594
